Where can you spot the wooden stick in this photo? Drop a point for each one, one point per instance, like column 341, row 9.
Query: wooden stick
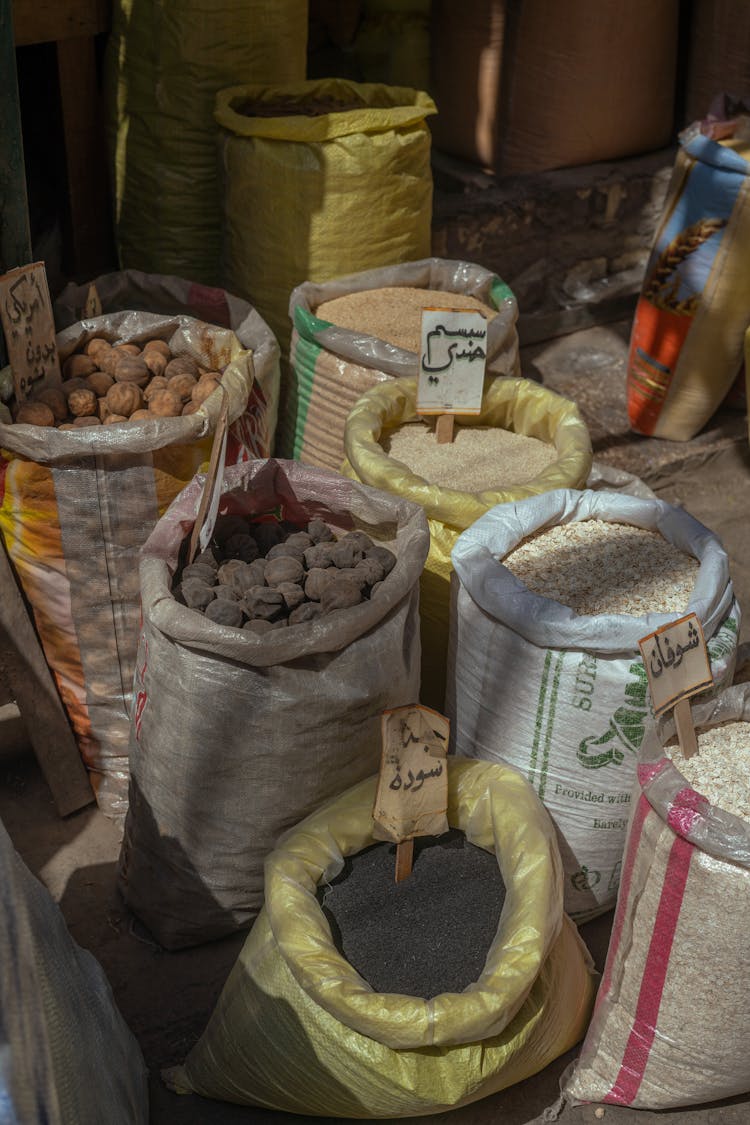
column 213, row 470
column 683, row 720
column 404, row 858
column 444, row 428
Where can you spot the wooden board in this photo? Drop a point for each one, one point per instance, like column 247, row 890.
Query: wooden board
column 15, row 240
column 25, row 669
column 47, row 21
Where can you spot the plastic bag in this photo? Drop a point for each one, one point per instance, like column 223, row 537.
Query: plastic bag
column 672, row 1020
column 66, row 1054
column 296, row 1028
column 515, row 404
column 237, row 735
column 317, row 196
column 331, row 367
column 563, row 697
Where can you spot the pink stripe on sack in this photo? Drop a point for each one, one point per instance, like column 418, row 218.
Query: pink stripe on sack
column 688, row 807
column 639, row 816
column 643, row 1031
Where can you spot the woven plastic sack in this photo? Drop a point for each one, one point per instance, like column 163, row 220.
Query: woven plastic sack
column 686, row 344
column 331, row 367
column 515, row 404
column 165, row 63
column 297, row 1029
column 76, row 507
column 319, row 196
column 236, row 735
column 562, row 697
column 672, row 1020
column 66, row 1054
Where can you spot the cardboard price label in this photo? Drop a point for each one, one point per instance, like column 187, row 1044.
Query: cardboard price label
column 676, row 662
column 451, row 362
column 29, row 328
column 412, row 794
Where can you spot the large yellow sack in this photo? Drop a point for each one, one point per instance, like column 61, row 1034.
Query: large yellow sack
column 514, row 404
column 341, row 185
column 297, row 1029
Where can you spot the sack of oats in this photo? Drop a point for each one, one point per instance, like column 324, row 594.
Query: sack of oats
column 354, row 332
column 298, row 1028
column 77, row 504
column 671, row 1025
column 526, row 440
column 544, row 669
column 686, row 344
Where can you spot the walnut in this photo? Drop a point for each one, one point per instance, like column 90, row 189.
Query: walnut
column 78, row 366
column 317, row 581
column 292, row 593
column 35, row 414
column 99, row 382
column 196, row 594
column 131, row 369
column 155, row 362
column 308, row 611
column 54, row 398
column 346, row 553
column 319, row 532
column 284, row 569
column 205, row 573
column 183, row 385
column 165, row 404
column 284, row 551
column 262, row 601
column 371, row 570
column 112, row 418
column 182, row 365
column 159, row 347
column 386, row 558
column 140, row 415
column 124, row 398
column 241, row 545
column 158, row 383
column 225, row 612
column 190, row 408
column 76, row 384
column 202, row 389
column 97, row 345
column 319, row 555
column 85, row 420
column 83, row 403
column 363, row 542
column 340, row 594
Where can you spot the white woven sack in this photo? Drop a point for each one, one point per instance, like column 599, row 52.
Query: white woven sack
column 564, row 697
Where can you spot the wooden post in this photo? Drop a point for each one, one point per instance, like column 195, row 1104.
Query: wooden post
column 15, row 239
column 444, row 428
column 404, row 859
column 683, row 721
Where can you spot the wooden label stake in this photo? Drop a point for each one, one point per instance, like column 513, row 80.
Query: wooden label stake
column 677, row 665
column 412, row 794
column 29, row 328
column 209, row 505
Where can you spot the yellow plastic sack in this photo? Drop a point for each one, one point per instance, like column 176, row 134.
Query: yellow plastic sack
column 297, row 1029
column 312, row 197
column 514, row 404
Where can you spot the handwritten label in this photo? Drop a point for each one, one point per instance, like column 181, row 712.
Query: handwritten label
column 29, row 328
column 93, row 306
column 452, row 362
column 412, row 794
column 676, row 661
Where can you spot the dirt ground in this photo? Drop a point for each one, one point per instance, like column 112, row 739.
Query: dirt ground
column 166, row 998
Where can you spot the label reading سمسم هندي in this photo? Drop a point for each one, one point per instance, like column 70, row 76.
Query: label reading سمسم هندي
column 451, row 362
column 676, row 662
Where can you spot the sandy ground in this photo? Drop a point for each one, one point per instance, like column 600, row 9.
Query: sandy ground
column 167, row 998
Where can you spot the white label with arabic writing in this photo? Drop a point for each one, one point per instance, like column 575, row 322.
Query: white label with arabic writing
column 412, row 794
column 452, row 362
column 28, row 324
column 676, row 661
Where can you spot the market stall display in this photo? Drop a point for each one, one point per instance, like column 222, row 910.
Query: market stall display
column 518, row 406
column 351, row 333
column 296, row 1028
column 545, row 674
column 236, row 732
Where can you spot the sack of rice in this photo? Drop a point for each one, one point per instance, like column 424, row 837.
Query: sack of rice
column 545, row 672
column 79, row 501
column 354, row 332
column 672, row 1020
column 297, row 1028
column 538, row 439
column 238, row 732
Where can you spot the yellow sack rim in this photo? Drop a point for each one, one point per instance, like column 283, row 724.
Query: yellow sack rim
column 512, row 403
column 498, row 811
column 382, row 108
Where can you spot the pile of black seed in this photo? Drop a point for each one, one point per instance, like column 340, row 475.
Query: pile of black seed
column 266, row 575
column 429, row 933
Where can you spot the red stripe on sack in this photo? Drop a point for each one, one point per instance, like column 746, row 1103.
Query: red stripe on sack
column 639, row 816
column 643, row 1031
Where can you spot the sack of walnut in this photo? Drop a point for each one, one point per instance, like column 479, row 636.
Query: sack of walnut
column 236, row 735
column 516, row 405
column 672, row 1020
column 78, row 504
column 544, row 671
column 354, row 332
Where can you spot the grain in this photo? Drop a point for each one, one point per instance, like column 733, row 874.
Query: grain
column 479, row 457
column 720, row 771
column 394, row 314
column 594, row 566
